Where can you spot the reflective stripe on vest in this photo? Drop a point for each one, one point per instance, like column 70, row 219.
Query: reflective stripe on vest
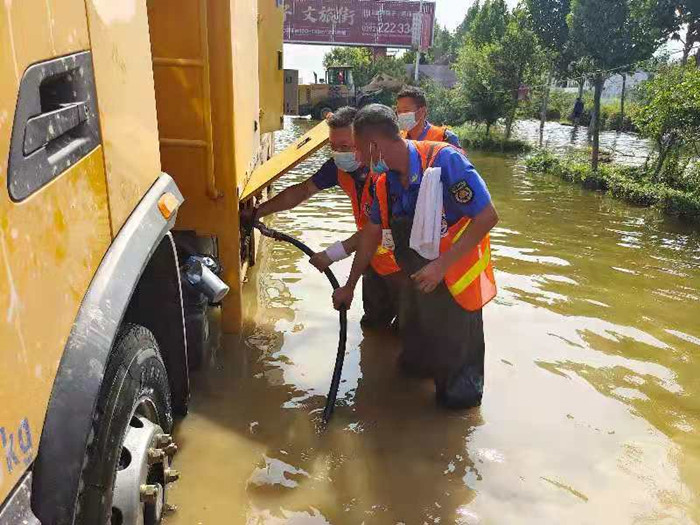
column 383, row 261
column 470, row 280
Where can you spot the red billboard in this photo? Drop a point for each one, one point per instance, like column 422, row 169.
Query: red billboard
column 374, row 23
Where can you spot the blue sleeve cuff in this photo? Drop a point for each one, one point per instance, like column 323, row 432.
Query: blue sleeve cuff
column 452, row 139
column 327, row 176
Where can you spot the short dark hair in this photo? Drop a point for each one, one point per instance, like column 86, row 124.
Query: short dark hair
column 416, row 93
column 342, row 117
column 377, row 118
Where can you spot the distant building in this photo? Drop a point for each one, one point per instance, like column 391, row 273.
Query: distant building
column 443, row 75
column 612, row 87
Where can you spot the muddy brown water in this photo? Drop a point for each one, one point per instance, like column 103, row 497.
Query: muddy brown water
column 592, row 405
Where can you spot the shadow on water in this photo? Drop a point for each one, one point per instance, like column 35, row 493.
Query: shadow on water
column 592, row 404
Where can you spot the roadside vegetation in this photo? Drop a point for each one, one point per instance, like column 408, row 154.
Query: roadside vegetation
column 475, row 137
column 635, row 185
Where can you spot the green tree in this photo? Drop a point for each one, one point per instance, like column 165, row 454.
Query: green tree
column 548, row 22
column 517, row 60
column 670, row 113
column 481, row 83
column 611, row 34
column 488, row 23
column 680, row 20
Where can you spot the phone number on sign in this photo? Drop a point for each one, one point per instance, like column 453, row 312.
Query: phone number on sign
column 387, row 27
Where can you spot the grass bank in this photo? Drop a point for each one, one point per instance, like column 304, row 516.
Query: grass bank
column 631, row 184
column 476, row 138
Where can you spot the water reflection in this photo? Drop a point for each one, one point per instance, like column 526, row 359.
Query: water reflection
column 592, row 404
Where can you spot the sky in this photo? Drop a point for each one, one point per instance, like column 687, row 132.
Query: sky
column 309, row 59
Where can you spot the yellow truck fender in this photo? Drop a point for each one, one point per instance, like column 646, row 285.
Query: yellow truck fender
column 143, row 247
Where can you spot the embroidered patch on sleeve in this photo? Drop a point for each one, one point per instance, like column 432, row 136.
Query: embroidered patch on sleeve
column 461, row 192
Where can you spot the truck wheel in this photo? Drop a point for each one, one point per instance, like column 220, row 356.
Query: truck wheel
column 128, row 459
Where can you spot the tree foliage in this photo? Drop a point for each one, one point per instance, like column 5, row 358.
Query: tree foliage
column 548, row 22
column 679, row 20
column 500, row 53
column 481, row 84
column 670, row 112
column 487, row 24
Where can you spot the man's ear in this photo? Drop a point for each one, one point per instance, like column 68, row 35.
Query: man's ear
column 422, row 113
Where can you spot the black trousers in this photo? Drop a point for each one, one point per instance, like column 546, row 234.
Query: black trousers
column 379, row 299
column 440, row 339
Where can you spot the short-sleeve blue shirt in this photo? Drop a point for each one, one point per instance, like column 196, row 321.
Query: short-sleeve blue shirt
column 464, row 191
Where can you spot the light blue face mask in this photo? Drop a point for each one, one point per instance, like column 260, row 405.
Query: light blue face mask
column 407, row 121
column 345, row 160
column 380, row 166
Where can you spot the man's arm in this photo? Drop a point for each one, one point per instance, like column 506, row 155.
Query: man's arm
column 288, row 199
column 368, row 240
column 322, row 260
column 433, row 273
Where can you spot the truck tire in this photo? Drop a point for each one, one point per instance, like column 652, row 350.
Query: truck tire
column 127, row 460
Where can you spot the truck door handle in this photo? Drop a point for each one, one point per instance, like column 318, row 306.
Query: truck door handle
column 56, row 122
column 44, row 128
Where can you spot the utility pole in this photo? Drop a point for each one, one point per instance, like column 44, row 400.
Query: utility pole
column 420, row 32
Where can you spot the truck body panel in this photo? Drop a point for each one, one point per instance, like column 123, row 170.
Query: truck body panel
column 51, row 243
column 270, row 66
column 123, row 74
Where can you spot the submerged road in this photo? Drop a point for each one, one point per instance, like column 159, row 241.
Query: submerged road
column 591, row 411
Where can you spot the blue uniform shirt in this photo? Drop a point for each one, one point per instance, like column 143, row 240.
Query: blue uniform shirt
column 450, row 137
column 464, row 191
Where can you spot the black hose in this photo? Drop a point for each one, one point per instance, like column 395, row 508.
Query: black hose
column 343, row 313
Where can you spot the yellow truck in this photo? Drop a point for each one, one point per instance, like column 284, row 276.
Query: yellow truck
column 130, row 134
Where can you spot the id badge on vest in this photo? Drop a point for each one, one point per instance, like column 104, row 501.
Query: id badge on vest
column 388, row 240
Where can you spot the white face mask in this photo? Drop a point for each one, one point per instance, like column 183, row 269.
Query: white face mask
column 407, row 121
column 345, row 160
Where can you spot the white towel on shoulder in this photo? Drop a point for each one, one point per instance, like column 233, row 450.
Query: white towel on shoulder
column 427, row 221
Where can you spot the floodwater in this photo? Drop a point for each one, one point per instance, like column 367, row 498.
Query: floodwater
column 592, row 404
column 624, row 148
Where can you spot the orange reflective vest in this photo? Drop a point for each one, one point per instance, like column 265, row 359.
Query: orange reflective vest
column 383, row 261
column 434, row 134
column 470, row 280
